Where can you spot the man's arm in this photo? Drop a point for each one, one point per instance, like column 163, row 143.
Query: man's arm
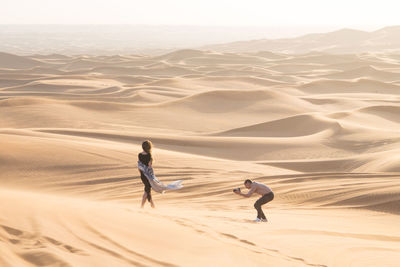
column 251, row 191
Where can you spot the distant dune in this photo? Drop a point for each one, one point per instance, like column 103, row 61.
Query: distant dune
column 338, row 42
column 17, row 62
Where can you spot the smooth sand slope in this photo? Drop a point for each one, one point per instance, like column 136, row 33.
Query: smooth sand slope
column 322, row 130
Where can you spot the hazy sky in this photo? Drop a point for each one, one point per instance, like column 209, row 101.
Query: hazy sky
column 366, row 14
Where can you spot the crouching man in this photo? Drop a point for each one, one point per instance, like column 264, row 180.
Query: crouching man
column 266, row 196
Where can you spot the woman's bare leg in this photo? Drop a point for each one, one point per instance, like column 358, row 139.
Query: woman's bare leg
column 152, row 203
column 144, row 198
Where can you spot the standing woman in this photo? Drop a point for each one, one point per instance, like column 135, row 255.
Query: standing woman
column 146, row 158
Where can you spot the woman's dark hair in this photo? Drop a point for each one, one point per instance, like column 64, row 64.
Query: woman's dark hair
column 248, row 181
column 147, row 146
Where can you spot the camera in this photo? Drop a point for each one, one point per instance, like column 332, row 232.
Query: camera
column 236, row 190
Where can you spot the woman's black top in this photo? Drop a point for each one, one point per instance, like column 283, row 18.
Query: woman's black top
column 144, row 158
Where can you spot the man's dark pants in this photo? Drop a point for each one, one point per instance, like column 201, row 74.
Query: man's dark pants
column 261, row 201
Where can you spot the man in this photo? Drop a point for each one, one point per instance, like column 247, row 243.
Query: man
column 266, row 196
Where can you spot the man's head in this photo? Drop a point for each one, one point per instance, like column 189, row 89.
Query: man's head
column 248, row 183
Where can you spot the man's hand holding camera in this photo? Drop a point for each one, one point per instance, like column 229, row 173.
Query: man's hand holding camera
column 236, row 190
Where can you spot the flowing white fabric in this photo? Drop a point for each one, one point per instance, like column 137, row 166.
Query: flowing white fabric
column 157, row 185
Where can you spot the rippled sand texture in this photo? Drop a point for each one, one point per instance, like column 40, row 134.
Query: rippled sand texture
column 322, row 130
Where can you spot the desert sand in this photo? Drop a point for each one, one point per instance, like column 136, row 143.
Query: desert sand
column 321, row 130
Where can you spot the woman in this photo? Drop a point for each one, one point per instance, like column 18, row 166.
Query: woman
column 148, row 177
column 146, row 158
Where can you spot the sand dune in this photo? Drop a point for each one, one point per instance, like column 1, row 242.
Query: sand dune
column 17, row 62
column 321, row 129
column 181, row 55
column 367, row 72
column 336, row 42
column 299, row 125
column 354, row 86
